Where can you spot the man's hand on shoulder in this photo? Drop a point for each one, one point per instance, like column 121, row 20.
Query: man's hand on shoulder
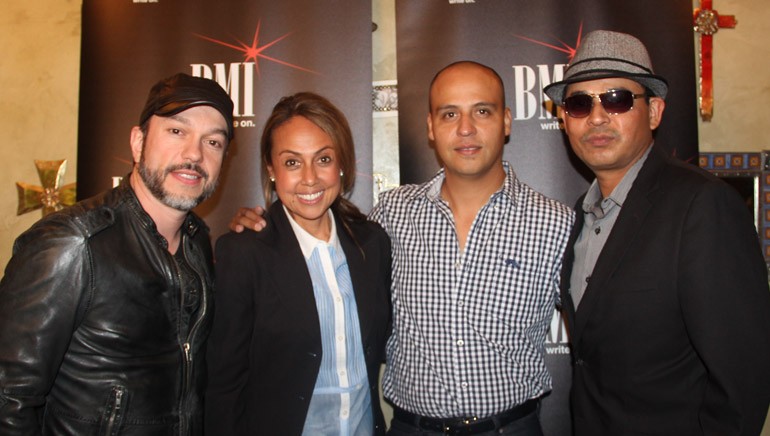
column 247, row 218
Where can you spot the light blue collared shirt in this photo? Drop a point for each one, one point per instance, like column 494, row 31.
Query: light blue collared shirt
column 341, row 403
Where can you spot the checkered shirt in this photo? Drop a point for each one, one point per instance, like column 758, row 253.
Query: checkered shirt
column 469, row 326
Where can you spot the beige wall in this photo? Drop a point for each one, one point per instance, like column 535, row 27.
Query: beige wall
column 741, row 81
column 39, row 67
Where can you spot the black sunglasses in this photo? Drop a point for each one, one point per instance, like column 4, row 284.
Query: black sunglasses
column 614, row 101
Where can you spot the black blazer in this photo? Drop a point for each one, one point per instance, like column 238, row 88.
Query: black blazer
column 672, row 336
column 264, row 352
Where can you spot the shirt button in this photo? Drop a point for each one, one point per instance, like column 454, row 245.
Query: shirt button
column 598, row 230
column 345, row 413
column 464, row 385
column 461, row 303
column 342, row 373
column 339, row 299
column 340, row 338
column 588, row 279
column 460, row 343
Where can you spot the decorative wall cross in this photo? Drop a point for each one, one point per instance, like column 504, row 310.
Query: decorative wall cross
column 52, row 196
column 707, row 22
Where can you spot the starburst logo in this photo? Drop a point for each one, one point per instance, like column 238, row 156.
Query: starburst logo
column 529, row 80
column 238, row 78
column 254, row 52
column 564, row 47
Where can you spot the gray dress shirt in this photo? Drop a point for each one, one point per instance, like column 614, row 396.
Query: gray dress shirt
column 600, row 216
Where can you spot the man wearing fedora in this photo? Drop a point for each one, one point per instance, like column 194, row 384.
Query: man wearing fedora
column 664, row 285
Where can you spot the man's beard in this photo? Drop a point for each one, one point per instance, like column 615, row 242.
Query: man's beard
column 153, row 179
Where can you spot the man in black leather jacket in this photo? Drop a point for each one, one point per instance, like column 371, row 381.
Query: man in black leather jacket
column 105, row 306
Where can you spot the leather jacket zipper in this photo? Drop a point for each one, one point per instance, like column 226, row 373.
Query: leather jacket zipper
column 186, row 361
column 117, row 409
column 187, row 345
column 187, row 358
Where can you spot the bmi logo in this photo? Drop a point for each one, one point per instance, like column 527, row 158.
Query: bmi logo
column 557, row 341
column 529, row 100
column 237, row 78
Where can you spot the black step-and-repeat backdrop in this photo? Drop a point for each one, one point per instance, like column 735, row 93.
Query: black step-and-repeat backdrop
column 258, row 50
column 261, row 50
column 529, row 43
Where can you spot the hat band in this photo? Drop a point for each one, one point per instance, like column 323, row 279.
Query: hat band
column 621, row 61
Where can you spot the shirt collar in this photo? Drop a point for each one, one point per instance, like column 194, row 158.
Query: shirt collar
column 593, row 198
column 432, row 188
column 308, row 242
column 191, row 225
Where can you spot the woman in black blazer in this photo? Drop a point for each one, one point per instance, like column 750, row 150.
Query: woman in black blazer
column 302, row 307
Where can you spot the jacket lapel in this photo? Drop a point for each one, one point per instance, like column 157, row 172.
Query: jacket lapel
column 626, row 229
column 296, row 287
column 567, row 305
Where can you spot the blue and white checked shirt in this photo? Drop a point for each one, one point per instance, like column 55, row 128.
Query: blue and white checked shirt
column 469, row 326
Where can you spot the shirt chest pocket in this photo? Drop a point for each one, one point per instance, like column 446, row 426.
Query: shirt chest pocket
column 509, row 287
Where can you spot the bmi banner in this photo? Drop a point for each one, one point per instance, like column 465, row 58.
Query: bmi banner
column 529, row 45
column 257, row 50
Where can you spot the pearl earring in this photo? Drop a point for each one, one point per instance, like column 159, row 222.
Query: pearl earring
column 341, row 173
column 272, row 179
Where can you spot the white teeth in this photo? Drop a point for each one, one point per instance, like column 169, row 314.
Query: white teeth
column 310, row 197
column 188, row 176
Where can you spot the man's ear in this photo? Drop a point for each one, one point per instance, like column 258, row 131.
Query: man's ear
column 508, row 120
column 430, row 129
column 137, row 143
column 561, row 115
column 656, row 107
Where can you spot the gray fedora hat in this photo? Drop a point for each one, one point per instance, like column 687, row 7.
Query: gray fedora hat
column 604, row 54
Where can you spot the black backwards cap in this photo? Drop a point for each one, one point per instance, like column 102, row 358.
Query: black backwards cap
column 180, row 92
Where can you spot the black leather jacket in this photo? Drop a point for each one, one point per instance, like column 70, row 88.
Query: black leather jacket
column 91, row 337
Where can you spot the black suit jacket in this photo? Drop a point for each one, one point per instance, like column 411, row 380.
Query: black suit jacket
column 672, row 336
column 265, row 350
